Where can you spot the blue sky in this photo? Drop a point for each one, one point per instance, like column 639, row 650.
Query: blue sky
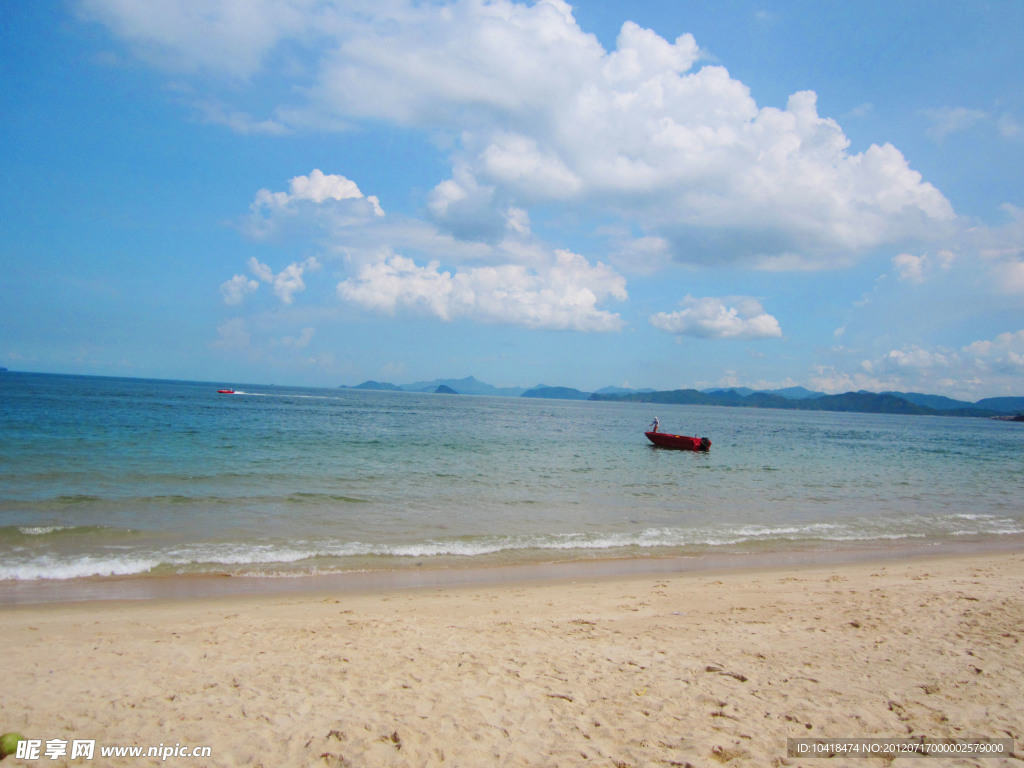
column 653, row 194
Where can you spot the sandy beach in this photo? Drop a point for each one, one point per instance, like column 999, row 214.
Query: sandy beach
column 698, row 669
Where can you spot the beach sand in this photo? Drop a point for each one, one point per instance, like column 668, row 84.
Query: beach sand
column 699, row 669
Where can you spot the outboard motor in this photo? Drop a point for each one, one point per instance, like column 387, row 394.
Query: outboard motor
column 705, row 444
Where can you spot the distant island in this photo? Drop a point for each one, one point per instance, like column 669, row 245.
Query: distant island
column 557, row 393
column 788, row 398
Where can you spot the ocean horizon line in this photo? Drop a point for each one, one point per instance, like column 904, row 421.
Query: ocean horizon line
column 785, row 398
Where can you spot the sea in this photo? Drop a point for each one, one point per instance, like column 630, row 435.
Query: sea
column 107, row 482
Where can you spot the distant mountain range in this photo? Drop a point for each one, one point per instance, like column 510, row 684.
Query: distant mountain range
column 473, row 386
column 859, row 402
column 467, row 386
column 789, row 398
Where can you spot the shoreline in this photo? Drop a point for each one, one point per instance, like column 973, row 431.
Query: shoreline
column 699, row 667
column 144, row 587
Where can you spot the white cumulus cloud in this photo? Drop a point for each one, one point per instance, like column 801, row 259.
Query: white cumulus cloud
column 982, row 368
column 912, row 358
column 310, row 200
column 915, row 269
column 317, row 187
column 564, row 294
column 1004, row 353
column 538, row 111
column 237, row 288
column 719, row 318
column 285, row 283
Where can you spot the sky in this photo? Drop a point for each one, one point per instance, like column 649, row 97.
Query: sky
column 661, row 193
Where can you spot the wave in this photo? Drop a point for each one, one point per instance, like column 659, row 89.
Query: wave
column 58, row 502
column 256, row 557
column 40, row 530
column 305, row 498
column 75, row 568
column 49, row 533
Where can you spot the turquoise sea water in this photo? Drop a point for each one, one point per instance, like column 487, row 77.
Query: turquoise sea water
column 112, row 477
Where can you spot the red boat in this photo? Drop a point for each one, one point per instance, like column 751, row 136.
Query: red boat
column 225, row 391
column 679, row 442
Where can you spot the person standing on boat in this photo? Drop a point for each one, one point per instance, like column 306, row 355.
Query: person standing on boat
column 655, row 424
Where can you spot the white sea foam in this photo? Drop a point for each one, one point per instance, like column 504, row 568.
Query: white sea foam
column 262, row 557
column 74, row 568
column 41, row 530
